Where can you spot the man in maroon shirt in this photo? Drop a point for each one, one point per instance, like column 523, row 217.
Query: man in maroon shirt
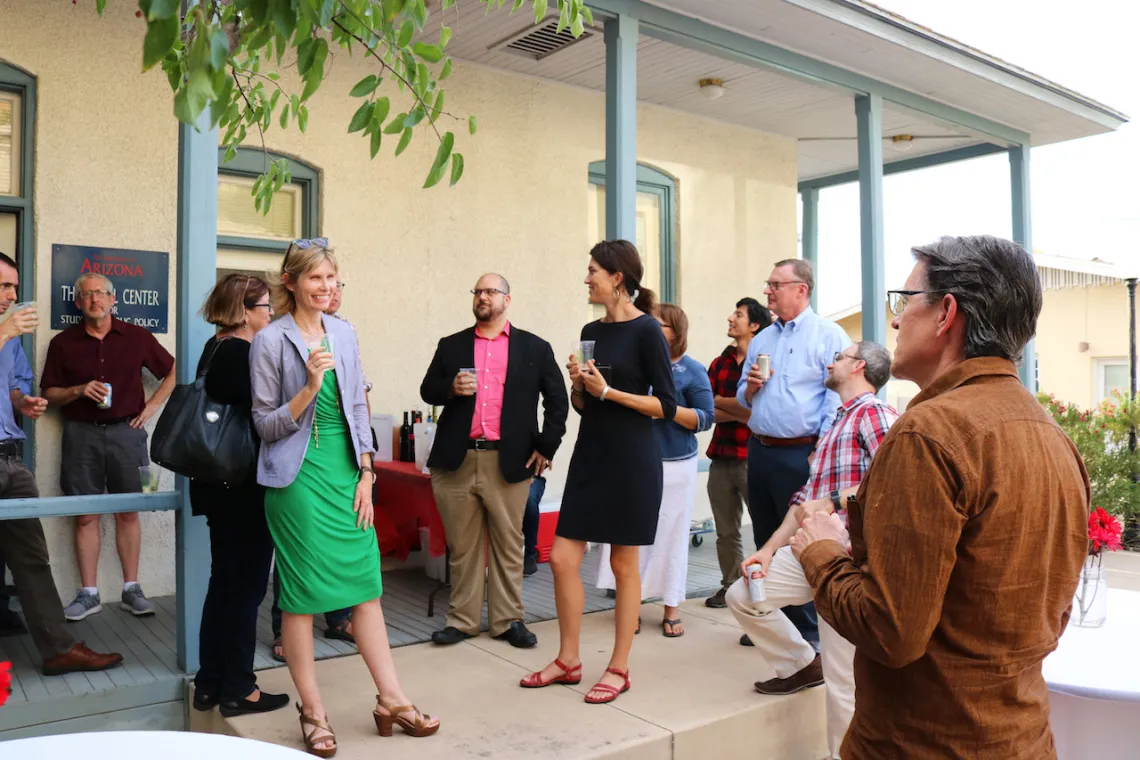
column 97, row 361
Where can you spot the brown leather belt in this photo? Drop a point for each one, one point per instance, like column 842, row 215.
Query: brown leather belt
column 807, row 440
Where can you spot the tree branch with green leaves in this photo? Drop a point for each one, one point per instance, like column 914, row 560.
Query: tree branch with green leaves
column 225, row 57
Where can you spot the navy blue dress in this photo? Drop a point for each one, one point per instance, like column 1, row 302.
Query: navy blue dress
column 613, row 487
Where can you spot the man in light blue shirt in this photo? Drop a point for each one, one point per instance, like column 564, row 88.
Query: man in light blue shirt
column 790, row 408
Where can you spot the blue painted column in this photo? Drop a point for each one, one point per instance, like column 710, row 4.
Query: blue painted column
column 809, row 237
column 869, row 119
column 197, row 265
column 621, row 127
column 1023, row 235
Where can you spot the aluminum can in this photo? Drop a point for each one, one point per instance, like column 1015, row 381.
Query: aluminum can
column 764, row 364
column 756, row 583
column 107, row 400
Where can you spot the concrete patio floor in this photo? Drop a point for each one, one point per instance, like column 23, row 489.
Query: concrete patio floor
column 691, row 697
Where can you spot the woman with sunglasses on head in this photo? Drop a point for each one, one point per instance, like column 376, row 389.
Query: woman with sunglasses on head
column 316, row 462
column 240, row 545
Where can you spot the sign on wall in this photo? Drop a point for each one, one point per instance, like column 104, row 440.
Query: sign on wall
column 141, row 280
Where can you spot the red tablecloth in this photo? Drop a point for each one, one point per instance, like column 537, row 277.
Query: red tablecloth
column 404, row 504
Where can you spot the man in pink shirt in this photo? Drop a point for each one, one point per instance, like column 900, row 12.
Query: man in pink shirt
column 488, row 447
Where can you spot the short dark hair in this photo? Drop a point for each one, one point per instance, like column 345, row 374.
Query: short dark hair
column 757, row 313
column 226, row 304
column 877, row 360
column 8, row 260
column 996, row 285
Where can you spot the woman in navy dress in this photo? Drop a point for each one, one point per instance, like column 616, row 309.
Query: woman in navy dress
column 613, row 487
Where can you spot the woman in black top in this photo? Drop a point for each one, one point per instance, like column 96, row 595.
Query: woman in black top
column 240, row 545
column 613, row 487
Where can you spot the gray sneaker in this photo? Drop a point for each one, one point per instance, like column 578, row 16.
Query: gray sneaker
column 136, row 603
column 85, row 605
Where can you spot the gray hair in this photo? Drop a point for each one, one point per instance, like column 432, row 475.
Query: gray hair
column 90, row 276
column 801, row 268
column 878, row 361
column 996, row 285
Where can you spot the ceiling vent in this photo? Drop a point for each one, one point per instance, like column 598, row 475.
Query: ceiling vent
column 540, row 42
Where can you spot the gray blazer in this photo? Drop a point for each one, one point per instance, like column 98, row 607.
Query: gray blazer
column 277, row 373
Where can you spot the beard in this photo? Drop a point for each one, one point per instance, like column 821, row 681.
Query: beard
column 831, row 383
column 486, row 312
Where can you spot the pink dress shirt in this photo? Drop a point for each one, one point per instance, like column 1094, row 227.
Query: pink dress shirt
column 491, row 376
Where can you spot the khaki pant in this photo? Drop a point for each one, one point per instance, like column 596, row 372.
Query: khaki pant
column 728, row 497
column 477, row 504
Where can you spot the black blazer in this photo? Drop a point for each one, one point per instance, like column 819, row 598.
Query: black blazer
column 531, row 369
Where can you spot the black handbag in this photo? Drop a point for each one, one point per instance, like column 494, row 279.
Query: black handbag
column 203, row 439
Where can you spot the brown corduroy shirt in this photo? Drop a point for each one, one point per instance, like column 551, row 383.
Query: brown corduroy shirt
column 966, row 545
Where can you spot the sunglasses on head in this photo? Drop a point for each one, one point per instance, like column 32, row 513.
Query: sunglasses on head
column 303, row 243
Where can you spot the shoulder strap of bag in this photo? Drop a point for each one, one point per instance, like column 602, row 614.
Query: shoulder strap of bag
column 209, row 360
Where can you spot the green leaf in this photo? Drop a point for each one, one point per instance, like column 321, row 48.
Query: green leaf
column 576, row 28
column 415, row 116
column 392, row 9
column 430, row 53
column 472, row 125
column 361, row 117
column 396, row 125
column 100, row 6
column 306, row 52
column 404, row 140
column 406, row 32
column 456, row 168
column 284, row 18
column 588, row 15
column 539, row 10
column 160, row 37
column 365, row 86
column 380, row 110
column 303, row 118
column 375, row 147
column 284, row 118
column 434, row 176
column 446, row 72
column 328, row 8
column 444, row 37
column 445, row 146
column 518, row 4
column 438, row 107
column 219, row 50
column 448, row 4
column 161, row 9
column 315, row 75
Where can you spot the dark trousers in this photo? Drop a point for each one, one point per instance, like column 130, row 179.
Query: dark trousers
column 240, row 552
column 333, row 619
column 3, row 582
column 775, row 473
column 530, row 518
column 24, row 548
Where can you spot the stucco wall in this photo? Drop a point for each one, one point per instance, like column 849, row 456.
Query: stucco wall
column 1096, row 315
column 106, row 175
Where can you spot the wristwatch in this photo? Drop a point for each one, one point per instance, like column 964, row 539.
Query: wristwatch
column 836, row 501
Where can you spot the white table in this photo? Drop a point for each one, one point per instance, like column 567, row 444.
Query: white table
column 146, row 745
column 1094, row 685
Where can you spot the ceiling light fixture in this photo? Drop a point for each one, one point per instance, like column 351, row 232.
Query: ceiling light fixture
column 903, row 143
column 712, row 88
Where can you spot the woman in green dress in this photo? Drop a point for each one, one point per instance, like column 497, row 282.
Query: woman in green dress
column 316, row 464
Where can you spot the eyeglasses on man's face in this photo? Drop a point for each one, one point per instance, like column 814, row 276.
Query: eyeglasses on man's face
column 840, row 356
column 898, row 299
column 775, row 284
column 87, row 295
column 489, row 292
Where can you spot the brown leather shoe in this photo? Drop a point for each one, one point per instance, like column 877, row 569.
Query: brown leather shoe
column 80, row 659
column 810, row 676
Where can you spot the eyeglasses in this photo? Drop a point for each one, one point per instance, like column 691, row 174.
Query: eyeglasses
column 303, row 243
column 775, row 285
column 840, row 356
column 477, row 292
column 897, row 299
column 87, row 295
column 260, row 306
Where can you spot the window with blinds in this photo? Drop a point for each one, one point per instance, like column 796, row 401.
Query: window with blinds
column 238, row 217
column 9, row 144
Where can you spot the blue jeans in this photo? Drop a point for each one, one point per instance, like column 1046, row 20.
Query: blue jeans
column 530, row 518
column 775, row 473
column 333, row 619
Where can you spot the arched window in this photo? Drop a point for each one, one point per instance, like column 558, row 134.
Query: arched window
column 656, row 224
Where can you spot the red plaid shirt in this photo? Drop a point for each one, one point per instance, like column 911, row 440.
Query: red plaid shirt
column 729, row 439
column 844, row 453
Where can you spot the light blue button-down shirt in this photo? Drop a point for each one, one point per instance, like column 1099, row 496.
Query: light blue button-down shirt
column 17, row 375
column 794, row 402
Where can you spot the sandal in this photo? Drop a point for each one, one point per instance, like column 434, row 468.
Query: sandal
column 311, row 738
column 340, row 632
column 570, row 677
column 278, row 645
column 669, row 629
column 418, row 727
column 610, row 693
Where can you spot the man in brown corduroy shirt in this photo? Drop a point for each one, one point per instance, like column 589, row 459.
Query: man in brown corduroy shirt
column 968, row 532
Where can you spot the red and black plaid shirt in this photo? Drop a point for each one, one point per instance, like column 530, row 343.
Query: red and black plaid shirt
column 729, row 439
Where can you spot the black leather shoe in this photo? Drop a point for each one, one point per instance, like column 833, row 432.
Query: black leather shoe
column 11, row 624
column 530, row 566
column 232, row 708
column 745, row 641
column 450, row 635
column 518, row 636
column 204, row 701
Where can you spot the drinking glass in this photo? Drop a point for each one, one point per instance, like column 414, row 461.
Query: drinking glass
column 328, row 344
column 149, row 476
column 584, row 352
column 471, row 371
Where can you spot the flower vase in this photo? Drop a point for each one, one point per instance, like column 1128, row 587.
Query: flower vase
column 1090, row 604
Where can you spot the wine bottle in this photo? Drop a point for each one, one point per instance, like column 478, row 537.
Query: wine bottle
column 412, row 440
column 405, row 433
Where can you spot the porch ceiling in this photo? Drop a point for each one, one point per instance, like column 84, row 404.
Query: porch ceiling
column 818, row 114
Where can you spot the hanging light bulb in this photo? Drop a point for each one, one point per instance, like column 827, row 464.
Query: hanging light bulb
column 903, row 143
column 712, row 88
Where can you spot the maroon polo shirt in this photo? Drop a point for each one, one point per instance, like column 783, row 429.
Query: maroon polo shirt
column 76, row 358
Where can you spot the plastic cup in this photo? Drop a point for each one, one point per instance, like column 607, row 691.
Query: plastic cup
column 471, row 371
column 22, row 305
column 584, row 352
column 149, row 476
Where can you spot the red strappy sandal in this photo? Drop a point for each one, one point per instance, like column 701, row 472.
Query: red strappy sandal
column 570, row 677
column 611, row 692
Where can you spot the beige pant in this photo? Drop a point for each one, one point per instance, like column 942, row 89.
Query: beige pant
column 774, row 637
column 477, row 504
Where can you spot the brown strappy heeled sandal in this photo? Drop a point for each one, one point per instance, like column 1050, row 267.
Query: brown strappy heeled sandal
column 308, row 736
column 418, row 727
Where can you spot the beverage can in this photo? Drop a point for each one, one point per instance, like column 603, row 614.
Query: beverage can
column 764, row 364
column 756, row 583
column 106, row 404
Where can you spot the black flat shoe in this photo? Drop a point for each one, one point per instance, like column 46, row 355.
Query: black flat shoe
column 11, row 624
column 233, row 708
column 450, row 635
column 530, row 566
column 518, row 636
column 205, row 701
column 745, row 641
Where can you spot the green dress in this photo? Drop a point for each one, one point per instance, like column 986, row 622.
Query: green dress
column 325, row 561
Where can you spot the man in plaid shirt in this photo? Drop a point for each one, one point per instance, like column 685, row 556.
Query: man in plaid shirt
column 728, row 450
column 840, row 459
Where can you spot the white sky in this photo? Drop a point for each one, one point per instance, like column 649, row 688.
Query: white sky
column 1085, row 193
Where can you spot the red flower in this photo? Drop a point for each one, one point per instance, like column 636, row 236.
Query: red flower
column 1104, row 531
column 5, row 681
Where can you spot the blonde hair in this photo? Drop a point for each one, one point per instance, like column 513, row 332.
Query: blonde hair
column 297, row 263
